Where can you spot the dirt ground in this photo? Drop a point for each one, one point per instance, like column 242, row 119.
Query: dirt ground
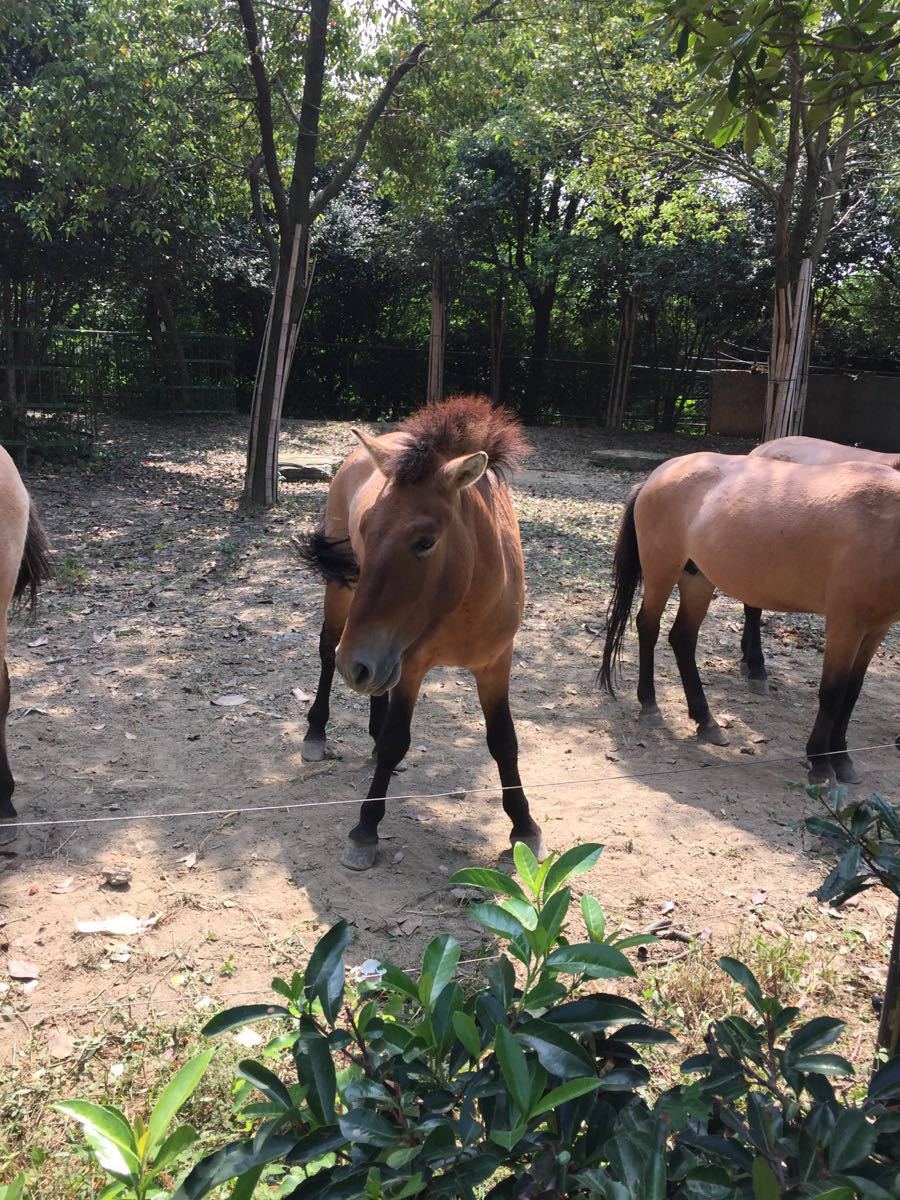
column 169, row 600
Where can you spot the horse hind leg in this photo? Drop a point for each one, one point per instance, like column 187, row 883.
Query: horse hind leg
column 843, row 643
column 695, row 593
column 657, row 590
column 753, row 663
column 841, row 762
column 337, row 602
column 493, row 693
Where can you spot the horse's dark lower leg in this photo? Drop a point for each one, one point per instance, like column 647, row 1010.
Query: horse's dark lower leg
column 493, row 692
column 313, row 749
column 390, row 749
column 841, row 762
column 841, row 650
column 647, row 624
column 7, row 783
column 696, row 593
column 378, row 707
column 753, row 663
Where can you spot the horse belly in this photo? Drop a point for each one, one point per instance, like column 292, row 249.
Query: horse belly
column 773, row 574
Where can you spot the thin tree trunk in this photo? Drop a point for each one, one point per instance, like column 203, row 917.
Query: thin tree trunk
column 537, row 362
column 292, row 284
column 618, row 392
column 497, row 328
column 889, row 1027
column 789, row 358
column 437, row 343
column 174, row 347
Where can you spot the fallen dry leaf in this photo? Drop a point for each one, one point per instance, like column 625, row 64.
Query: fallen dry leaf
column 60, row 889
column 131, row 737
column 403, row 927
column 398, row 857
column 300, row 696
column 230, row 700
column 41, row 641
column 60, row 1044
column 668, row 906
column 758, row 898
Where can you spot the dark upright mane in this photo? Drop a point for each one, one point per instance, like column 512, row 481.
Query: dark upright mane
column 457, row 426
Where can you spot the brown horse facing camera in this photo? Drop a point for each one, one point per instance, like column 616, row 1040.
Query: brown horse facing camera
column 422, row 561
column 811, row 452
column 775, row 535
column 24, row 565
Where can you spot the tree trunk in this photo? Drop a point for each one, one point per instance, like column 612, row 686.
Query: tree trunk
column 292, row 284
column 618, row 391
column 537, row 362
column 173, row 347
column 437, row 343
column 789, row 358
column 889, row 1028
column 497, row 327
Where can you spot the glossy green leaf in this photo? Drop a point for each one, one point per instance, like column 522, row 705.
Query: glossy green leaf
column 267, row 1082
column 497, row 920
column 315, row 1070
column 324, row 975
column 745, row 977
column 173, row 1147
column 596, row 960
column 570, row 1090
column 852, row 1140
column 230, row 1162
column 491, row 881
column 176, row 1092
column 526, row 865
column 467, row 1032
column 438, row 968
column 594, row 918
column 574, row 862
column 814, row 1035
column 108, row 1134
column 513, row 1067
column 244, row 1014
column 558, row 1052
column 765, row 1185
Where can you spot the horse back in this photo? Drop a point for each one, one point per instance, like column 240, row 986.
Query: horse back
column 812, row 451
column 14, row 513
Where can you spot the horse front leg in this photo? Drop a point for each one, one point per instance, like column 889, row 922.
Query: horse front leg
column 337, row 602
column 493, row 694
column 843, row 642
column 390, row 749
column 841, row 762
column 753, row 662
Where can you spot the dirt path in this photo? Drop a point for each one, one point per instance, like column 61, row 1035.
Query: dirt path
column 170, row 600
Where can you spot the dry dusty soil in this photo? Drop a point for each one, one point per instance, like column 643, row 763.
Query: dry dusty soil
column 169, row 600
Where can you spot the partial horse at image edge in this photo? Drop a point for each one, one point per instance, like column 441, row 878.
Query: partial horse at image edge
column 810, row 452
column 24, row 566
column 774, row 535
column 421, row 557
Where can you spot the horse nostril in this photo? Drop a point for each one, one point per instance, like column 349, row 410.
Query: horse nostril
column 360, row 673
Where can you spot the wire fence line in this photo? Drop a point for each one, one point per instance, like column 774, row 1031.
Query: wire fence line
column 457, row 792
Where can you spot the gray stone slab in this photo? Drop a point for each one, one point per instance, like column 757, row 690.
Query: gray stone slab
column 308, row 470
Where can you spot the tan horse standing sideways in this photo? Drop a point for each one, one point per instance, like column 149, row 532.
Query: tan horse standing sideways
column 811, row 452
column 24, row 565
column 775, row 535
column 422, row 560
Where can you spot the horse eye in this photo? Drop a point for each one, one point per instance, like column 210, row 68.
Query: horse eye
column 423, row 545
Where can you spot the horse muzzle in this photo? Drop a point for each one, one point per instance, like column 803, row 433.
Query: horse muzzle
column 370, row 674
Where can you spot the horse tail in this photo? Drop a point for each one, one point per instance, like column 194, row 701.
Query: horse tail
column 36, row 565
column 332, row 559
column 627, row 577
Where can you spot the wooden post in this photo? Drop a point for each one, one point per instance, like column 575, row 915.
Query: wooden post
column 437, row 343
column 618, row 391
column 789, row 358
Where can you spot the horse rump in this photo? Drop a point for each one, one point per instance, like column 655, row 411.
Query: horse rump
column 627, row 577
column 332, row 559
column 36, row 566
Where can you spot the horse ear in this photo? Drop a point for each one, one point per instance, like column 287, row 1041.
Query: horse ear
column 379, row 455
column 468, row 469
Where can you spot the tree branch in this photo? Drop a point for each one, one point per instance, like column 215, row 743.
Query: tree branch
column 271, row 244
column 345, row 170
column 264, row 115
column 310, row 110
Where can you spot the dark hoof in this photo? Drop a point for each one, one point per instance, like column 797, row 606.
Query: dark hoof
column 359, row 856
column 313, row 750
column 713, row 734
column 8, row 833
column 535, row 844
column 820, row 776
column 846, row 772
column 759, row 687
column 745, row 668
column 650, row 715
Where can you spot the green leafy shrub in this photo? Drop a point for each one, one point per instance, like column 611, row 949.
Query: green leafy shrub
column 532, row 1085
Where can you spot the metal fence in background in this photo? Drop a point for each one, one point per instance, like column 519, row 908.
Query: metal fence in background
column 55, row 382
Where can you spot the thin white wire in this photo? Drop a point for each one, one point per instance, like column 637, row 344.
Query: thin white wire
column 455, row 792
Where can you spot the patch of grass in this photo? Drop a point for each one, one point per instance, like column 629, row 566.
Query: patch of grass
column 69, row 571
